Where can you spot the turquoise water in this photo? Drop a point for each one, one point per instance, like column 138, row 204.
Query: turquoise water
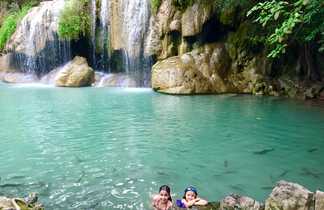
column 101, row 148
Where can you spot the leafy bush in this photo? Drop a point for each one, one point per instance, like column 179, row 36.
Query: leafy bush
column 288, row 21
column 10, row 22
column 74, row 20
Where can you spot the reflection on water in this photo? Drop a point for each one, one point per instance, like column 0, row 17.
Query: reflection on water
column 110, row 148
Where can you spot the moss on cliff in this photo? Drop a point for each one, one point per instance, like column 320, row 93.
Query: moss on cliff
column 75, row 20
column 11, row 20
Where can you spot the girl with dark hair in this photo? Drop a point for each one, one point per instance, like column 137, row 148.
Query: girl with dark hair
column 163, row 200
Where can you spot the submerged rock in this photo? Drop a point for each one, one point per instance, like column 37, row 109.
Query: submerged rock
column 76, row 73
column 20, row 204
column 234, row 201
column 289, row 196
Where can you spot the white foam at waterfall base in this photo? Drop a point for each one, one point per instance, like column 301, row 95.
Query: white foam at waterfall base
column 32, row 85
column 114, row 80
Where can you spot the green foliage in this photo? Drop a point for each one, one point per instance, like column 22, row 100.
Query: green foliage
column 10, row 22
column 285, row 22
column 74, row 20
column 155, row 4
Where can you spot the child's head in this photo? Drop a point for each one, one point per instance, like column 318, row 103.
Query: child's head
column 190, row 193
column 165, row 193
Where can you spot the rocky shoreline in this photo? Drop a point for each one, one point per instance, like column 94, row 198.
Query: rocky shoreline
column 284, row 196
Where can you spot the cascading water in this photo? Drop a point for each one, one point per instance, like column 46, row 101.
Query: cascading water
column 136, row 14
column 42, row 50
column 104, row 56
column 93, row 29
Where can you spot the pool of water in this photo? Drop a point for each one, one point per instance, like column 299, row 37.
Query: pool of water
column 109, row 148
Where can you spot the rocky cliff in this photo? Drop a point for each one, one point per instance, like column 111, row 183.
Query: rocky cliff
column 203, row 50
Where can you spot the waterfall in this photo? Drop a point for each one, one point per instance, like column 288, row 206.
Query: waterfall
column 104, row 33
column 41, row 50
column 136, row 14
column 93, row 29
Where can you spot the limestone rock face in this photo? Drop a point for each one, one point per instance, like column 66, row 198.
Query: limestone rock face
column 233, row 202
column 168, row 19
column 76, row 73
column 193, row 19
column 319, row 200
column 206, row 69
column 159, row 25
column 175, row 77
column 289, row 196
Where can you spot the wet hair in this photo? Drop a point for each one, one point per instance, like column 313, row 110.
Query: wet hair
column 192, row 189
column 167, row 189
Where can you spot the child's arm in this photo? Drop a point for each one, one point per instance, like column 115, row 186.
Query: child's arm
column 188, row 203
column 200, row 202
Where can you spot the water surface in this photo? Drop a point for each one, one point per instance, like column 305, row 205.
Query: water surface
column 110, row 148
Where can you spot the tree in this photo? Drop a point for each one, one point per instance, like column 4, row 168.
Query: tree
column 289, row 22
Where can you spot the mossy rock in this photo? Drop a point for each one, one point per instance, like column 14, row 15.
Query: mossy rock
column 244, row 39
column 228, row 16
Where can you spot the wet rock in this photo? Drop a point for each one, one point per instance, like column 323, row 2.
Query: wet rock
column 20, row 204
column 76, row 73
column 289, row 196
column 49, row 78
column 5, row 62
column 16, row 77
column 321, row 95
column 234, row 201
column 314, row 91
column 319, row 200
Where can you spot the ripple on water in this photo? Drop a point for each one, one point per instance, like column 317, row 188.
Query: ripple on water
column 113, row 148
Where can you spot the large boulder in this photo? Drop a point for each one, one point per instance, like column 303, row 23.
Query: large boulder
column 76, row 73
column 234, row 201
column 175, row 77
column 289, row 196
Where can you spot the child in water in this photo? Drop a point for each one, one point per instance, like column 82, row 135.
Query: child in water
column 190, row 198
column 163, row 200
